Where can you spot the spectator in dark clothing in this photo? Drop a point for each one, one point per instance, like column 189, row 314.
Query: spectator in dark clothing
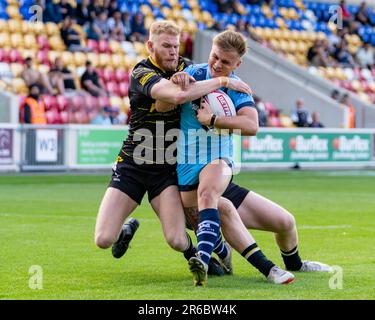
column 58, row 71
column 362, row 15
column 52, row 12
column 139, row 33
column 127, row 22
column 70, row 36
column 101, row 23
column 343, row 56
column 67, row 9
column 112, row 8
column 91, row 82
column 92, row 31
column 335, row 95
column 95, row 8
column 300, row 116
column 262, row 114
column 83, row 12
column 316, row 121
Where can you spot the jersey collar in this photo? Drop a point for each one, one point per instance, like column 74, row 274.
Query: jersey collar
column 155, row 64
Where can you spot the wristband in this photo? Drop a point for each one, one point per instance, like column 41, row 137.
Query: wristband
column 213, row 120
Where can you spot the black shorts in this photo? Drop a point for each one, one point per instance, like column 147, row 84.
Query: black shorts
column 236, row 194
column 135, row 181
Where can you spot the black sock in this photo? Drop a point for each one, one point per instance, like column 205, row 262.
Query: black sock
column 292, row 259
column 191, row 251
column 256, row 257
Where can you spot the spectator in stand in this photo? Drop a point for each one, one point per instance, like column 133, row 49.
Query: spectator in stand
column 300, row 116
column 83, row 12
column 126, row 20
column 118, row 117
column 362, row 15
column 318, row 54
column 71, row 37
column 112, row 8
column 139, row 33
column 67, row 9
column 35, row 77
column 95, row 8
column 242, row 27
column 63, row 77
column 230, row 6
column 33, row 110
column 52, row 11
column 349, row 112
column 101, row 23
column 365, row 56
column 91, row 82
column 262, row 113
column 116, row 27
column 103, row 117
column 316, row 120
column 92, row 31
column 346, row 16
column 335, row 94
column 343, row 56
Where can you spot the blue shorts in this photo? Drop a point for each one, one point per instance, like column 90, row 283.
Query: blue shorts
column 188, row 175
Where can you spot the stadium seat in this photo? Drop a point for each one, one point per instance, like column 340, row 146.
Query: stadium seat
column 113, row 87
column 109, row 75
column 103, row 101
column 122, row 75
column 50, row 102
column 62, row 103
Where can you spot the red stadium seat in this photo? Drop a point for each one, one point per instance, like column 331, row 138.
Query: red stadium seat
column 4, row 55
column 122, row 75
column 53, row 117
column 109, row 75
column 123, row 88
column 103, row 102
column 15, row 56
column 93, row 45
column 104, row 47
column 77, row 103
column 50, row 102
column 64, row 115
column 42, row 57
column 91, row 103
column 62, row 103
column 43, row 43
column 113, row 87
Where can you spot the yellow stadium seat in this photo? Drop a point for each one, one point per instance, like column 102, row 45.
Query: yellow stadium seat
column 146, row 10
column 105, row 60
column 138, row 47
column 15, row 26
column 3, row 26
column 30, row 41
column 38, row 28
column 19, row 86
column 192, row 27
column 129, row 62
column 285, row 34
column 155, row 3
column 16, row 40
column 115, row 46
column 26, row 53
column 182, row 24
column 115, row 101
column 26, row 27
column 292, row 46
column 43, row 68
column 266, row 33
column 4, row 40
column 67, row 57
column 206, row 16
column 357, row 86
column 16, row 69
column 118, row 60
column 93, row 58
column 197, row 14
column 176, row 13
column 52, row 29
column 80, row 58
column 57, row 43
column 13, row 12
column 276, row 34
column 52, row 55
column 148, row 21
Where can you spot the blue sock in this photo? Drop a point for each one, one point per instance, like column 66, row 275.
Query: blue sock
column 207, row 233
column 220, row 249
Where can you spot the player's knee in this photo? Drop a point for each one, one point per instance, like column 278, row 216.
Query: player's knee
column 178, row 243
column 288, row 223
column 102, row 241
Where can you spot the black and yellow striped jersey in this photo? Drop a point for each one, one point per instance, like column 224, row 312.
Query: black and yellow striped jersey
column 148, row 128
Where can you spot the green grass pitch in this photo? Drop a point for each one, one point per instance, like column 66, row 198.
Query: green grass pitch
column 48, row 221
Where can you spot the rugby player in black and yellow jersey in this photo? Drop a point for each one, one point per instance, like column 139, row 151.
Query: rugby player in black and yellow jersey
column 144, row 163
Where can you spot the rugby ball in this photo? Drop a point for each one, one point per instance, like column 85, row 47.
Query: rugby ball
column 220, row 104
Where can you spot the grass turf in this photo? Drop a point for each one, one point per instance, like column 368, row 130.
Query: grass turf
column 49, row 221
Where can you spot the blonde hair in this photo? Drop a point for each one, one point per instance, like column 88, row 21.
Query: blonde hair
column 163, row 26
column 231, row 40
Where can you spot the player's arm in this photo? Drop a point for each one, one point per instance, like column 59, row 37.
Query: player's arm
column 167, row 91
column 246, row 120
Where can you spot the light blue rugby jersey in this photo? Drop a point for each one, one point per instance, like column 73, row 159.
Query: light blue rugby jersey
column 196, row 144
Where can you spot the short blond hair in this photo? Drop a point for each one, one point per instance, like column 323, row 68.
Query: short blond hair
column 231, row 40
column 163, row 26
